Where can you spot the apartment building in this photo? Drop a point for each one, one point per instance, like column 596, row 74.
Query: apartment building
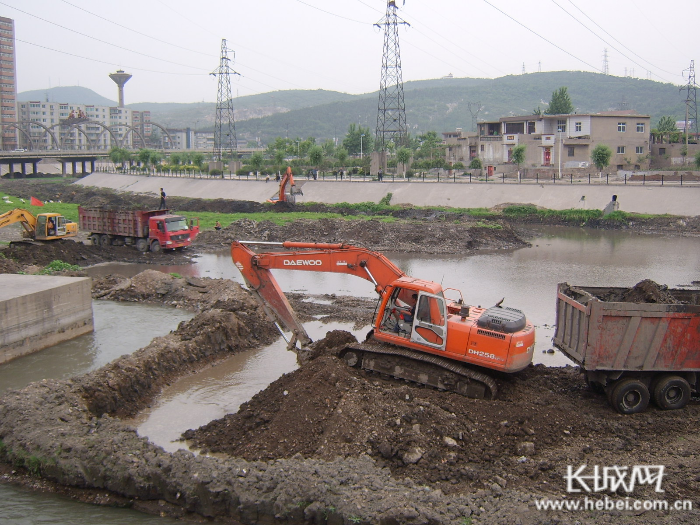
column 82, row 127
column 565, row 141
column 8, row 85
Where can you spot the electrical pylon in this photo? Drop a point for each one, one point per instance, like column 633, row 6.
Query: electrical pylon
column 225, row 144
column 391, row 111
column 691, row 102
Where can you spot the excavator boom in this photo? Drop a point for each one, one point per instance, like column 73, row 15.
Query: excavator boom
column 315, row 257
column 24, row 217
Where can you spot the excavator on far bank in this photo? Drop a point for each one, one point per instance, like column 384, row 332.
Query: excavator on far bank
column 418, row 334
column 287, row 180
column 42, row 227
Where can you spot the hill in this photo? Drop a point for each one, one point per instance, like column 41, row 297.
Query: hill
column 443, row 104
column 437, row 104
column 68, row 94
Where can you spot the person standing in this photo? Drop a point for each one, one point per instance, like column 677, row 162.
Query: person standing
column 162, row 200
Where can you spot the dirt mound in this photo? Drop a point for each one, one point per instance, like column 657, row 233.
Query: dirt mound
column 423, row 236
column 325, row 410
column 647, row 291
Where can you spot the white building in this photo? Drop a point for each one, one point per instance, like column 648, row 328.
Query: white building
column 83, row 127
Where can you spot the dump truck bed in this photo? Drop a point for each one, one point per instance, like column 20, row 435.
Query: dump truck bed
column 127, row 223
column 604, row 335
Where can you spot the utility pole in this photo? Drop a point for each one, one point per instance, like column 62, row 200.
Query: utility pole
column 225, row 127
column 606, row 66
column 691, row 102
column 474, row 109
column 391, row 111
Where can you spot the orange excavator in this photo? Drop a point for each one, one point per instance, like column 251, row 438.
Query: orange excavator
column 287, row 180
column 418, row 334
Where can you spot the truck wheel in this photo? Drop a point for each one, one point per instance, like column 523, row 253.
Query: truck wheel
column 142, row 245
column 630, row 396
column 671, row 392
column 95, row 239
column 105, row 240
column 155, row 247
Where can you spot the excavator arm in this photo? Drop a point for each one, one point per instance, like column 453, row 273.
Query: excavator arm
column 22, row 216
column 315, row 257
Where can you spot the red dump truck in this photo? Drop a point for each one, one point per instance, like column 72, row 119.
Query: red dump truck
column 633, row 351
column 153, row 230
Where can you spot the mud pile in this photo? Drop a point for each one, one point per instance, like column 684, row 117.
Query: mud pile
column 439, row 237
column 520, row 441
column 646, row 291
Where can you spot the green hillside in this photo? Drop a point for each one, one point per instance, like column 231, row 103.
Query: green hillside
column 431, row 105
column 442, row 105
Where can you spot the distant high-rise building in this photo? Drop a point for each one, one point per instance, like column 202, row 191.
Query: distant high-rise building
column 8, row 84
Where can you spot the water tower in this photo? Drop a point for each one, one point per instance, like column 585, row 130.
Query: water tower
column 120, row 78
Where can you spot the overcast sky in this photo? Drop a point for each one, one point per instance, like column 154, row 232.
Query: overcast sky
column 171, row 46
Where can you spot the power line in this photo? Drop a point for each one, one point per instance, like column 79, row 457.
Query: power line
column 540, row 36
column 99, row 40
column 332, row 14
column 133, row 30
column 118, row 64
column 598, row 36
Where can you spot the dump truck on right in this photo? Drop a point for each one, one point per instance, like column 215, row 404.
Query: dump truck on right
column 636, row 344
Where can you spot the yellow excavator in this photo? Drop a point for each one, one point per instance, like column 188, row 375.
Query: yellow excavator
column 42, row 227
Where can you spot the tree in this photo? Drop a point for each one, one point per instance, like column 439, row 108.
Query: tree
column 601, row 157
column 342, row 155
column 316, row 155
column 666, row 126
column 560, row 103
column 518, row 155
column 119, row 156
column 697, row 159
column 403, row 156
column 279, row 158
column 256, row 161
column 354, row 141
column 198, row 159
column 475, row 164
column 175, row 159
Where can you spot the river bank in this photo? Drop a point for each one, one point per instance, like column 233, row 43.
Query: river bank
column 327, row 444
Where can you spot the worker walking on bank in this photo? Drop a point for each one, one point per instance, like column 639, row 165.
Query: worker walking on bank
column 162, row 200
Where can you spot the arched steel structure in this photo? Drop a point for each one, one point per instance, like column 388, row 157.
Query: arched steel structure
column 104, row 128
column 170, row 139
column 16, row 125
column 92, row 144
column 133, row 130
column 77, row 126
column 46, row 129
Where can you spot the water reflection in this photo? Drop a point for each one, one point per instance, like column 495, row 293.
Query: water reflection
column 120, row 328
column 212, row 393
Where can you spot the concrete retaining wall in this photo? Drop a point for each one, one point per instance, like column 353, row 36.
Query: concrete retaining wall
column 655, row 199
column 38, row 311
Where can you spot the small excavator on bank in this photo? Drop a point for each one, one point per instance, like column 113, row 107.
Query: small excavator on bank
column 418, row 334
column 286, row 180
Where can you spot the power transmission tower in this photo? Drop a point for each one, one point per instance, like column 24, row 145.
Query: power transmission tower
column 225, row 144
column 391, row 111
column 474, row 109
column 523, row 68
column 606, row 66
column 691, row 101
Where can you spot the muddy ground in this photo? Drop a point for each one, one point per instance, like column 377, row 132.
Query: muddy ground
column 327, row 443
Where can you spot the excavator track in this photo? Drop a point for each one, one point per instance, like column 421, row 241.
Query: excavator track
column 422, row 368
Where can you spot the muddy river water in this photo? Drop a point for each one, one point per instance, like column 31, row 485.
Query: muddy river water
column 527, row 278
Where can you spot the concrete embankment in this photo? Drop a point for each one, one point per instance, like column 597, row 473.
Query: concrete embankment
column 653, row 199
column 38, row 311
